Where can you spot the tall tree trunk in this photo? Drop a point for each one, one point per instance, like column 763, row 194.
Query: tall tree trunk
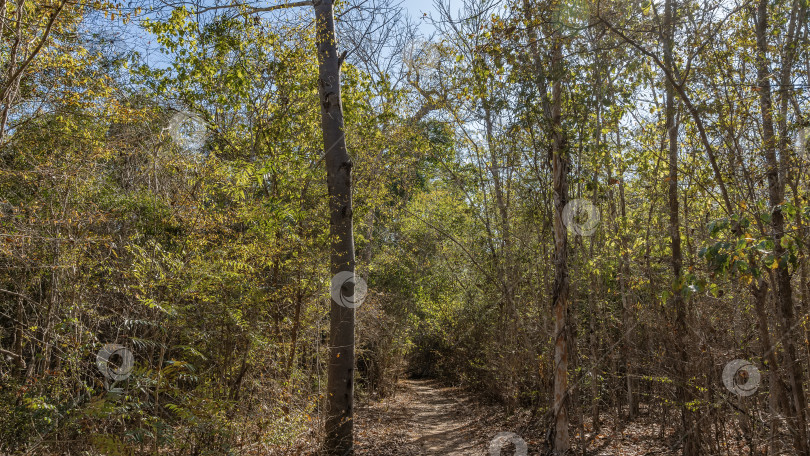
column 340, row 374
column 561, row 443
column 776, row 193
column 777, row 400
column 593, row 341
column 504, row 264
column 299, row 302
column 624, row 275
column 691, row 440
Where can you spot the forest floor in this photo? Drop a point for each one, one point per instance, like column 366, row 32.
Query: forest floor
column 425, row 417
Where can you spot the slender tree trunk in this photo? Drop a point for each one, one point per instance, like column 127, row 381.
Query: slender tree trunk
column 340, row 374
column 299, row 302
column 691, row 440
column 18, row 334
column 776, row 193
column 561, row 443
column 593, row 342
column 624, row 275
column 504, row 263
column 593, row 339
column 777, row 400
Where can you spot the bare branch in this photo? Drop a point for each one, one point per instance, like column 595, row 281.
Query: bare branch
column 254, row 9
column 282, row 6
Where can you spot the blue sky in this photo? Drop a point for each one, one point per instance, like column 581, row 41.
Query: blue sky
column 416, row 7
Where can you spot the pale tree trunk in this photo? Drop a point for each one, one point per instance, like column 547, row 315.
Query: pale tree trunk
column 559, row 165
column 504, row 263
column 593, row 341
column 559, row 441
column 776, row 193
column 340, row 382
column 624, row 274
column 691, row 439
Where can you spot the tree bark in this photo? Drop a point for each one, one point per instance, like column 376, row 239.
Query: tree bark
column 777, row 400
column 776, row 193
column 624, row 275
column 299, row 302
column 340, row 374
column 691, row 439
column 561, row 443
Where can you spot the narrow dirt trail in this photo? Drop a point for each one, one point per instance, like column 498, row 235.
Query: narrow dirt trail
column 423, row 418
column 426, row 418
column 441, row 422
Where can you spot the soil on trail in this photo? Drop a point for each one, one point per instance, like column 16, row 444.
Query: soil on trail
column 424, row 418
column 427, row 418
column 440, row 421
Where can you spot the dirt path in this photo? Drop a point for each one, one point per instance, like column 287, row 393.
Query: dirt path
column 427, row 418
column 423, row 418
column 440, row 421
